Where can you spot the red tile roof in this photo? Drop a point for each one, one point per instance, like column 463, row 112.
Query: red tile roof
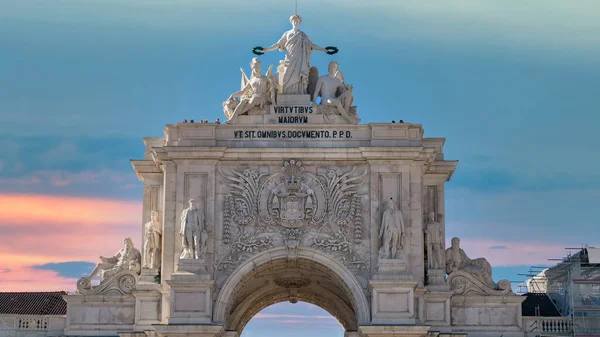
column 46, row 303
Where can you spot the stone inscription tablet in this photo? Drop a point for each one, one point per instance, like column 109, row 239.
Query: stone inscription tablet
column 292, row 134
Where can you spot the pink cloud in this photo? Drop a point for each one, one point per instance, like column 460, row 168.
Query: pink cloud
column 23, row 278
column 61, row 178
column 30, row 210
column 39, row 229
column 516, row 252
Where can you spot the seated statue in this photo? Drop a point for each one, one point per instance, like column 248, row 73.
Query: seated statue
column 128, row 258
column 256, row 93
column 336, row 97
column 457, row 260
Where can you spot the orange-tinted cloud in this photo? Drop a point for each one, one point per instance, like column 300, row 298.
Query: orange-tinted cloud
column 39, row 229
column 30, row 210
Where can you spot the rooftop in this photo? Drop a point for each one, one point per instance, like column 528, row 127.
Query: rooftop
column 541, row 300
column 33, row 303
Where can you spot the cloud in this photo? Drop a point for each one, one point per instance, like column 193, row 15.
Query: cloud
column 22, row 278
column 498, row 247
column 519, row 216
column 493, row 180
column 529, row 253
column 530, row 27
column 82, row 166
column 40, row 232
column 71, row 269
column 27, row 180
column 31, row 211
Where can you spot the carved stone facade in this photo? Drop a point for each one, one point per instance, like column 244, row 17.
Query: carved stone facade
column 256, row 211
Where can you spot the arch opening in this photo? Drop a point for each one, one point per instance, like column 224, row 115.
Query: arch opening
column 299, row 319
column 272, row 277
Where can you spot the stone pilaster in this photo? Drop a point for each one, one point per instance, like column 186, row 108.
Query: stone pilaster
column 191, row 299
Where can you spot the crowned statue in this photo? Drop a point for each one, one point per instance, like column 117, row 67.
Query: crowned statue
column 297, row 47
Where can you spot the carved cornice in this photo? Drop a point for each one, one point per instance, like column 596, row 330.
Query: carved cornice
column 441, row 169
column 144, row 168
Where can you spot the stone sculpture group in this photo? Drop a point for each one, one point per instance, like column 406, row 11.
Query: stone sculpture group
column 294, row 76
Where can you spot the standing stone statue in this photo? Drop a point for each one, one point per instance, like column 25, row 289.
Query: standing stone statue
column 192, row 232
column 298, row 48
column 391, row 231
column 457, row 260
column 334, row 93
column 152, row 242
column 435, row 243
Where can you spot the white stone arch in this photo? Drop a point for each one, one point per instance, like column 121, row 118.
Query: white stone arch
column 357, row 296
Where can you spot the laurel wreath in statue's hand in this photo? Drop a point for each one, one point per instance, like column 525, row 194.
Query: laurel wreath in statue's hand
column 330, row 50
column 258, row 50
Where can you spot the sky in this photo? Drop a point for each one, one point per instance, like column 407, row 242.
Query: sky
column 513, row 86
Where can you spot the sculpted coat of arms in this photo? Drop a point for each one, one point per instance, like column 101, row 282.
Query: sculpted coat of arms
column 292, row 197
column 292, row 207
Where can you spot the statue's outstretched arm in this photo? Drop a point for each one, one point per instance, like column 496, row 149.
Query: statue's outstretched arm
column 315, row 47
column 273, row 47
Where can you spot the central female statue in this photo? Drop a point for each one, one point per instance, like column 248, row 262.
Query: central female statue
column 298, row 48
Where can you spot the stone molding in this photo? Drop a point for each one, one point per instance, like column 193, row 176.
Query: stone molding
column 462, row 283
column 122, row 283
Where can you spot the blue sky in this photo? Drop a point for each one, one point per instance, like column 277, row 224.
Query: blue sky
column 512, row 85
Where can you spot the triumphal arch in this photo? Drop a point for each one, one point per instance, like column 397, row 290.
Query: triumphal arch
column 292, row 199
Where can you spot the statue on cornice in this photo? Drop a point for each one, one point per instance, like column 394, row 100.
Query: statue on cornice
column 297, row 47
column 457, row 260
column 336, row 96
column 256, row 93
column 128, row 258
